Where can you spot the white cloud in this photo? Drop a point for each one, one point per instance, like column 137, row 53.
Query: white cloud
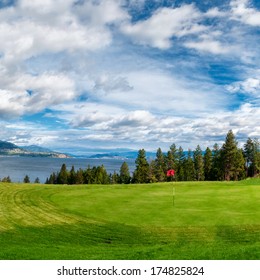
column 210, row 46
column 242, row 11
column 30, row 94
column 106, row 12
column 165, row 23
column 250, row 86
column 215, row 12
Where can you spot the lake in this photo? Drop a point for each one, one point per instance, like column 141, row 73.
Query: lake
column 18, row 167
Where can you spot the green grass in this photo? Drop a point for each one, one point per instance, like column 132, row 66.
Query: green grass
column 209, row 220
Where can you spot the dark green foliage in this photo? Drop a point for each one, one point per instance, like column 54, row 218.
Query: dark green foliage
column 208, row 164
column 124, row 177
column 189, row 168
column 180, row 160
column 152, row 171
column 239, row 166
column 252, row 156
column 7, row 179
column 37, row 181
column 142, row 168
column 80, row 177
column 72, row 177
column 198, row 164
column 114, row 178
column 52, row 179
column 63, row 175
column 26, row 179
column 160, row 166
column 233, row 159
column 217, row 173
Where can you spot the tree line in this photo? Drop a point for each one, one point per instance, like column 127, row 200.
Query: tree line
column 228, row 162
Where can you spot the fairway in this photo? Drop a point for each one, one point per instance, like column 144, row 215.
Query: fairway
column 205, row 220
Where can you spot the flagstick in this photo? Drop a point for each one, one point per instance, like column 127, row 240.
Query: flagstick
column 170, row 173
column 173, row 194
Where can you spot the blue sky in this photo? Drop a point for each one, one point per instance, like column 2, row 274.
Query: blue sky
column 106, row 74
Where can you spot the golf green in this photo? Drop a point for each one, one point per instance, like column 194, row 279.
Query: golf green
column 183, row 220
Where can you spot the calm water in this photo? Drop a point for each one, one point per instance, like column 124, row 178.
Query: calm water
column 18, row 167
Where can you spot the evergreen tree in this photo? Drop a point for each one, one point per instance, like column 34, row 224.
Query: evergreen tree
column 72, row 177
column 217, row 173
column 239, row 171
column 79, row 177
column 160, row 171
column 7, row 179
column 229, row 152
column 37, row 181
column 198, row 164
column 141, row 173
column 88, row 176
column 124, row 177
column 114, row 178
column 180, row 164
column 63, row 175
column 26, row 179
column 251, row 153
column 100, row 175
column 171, row 158
column 152, row 171
column 189, row 168
column 208, row 164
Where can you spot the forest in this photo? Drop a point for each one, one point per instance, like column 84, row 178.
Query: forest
column 228, row 162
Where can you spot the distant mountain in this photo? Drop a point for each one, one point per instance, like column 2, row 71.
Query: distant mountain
column 130, row 154
column 7, row 145
column 36, row 149
column 10, row 149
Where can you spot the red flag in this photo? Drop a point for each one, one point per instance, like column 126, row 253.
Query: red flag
column 170, row 173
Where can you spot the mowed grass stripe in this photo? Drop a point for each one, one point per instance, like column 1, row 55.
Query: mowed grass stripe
column 24, row 205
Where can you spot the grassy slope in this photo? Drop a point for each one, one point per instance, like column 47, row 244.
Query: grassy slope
column 209, row 220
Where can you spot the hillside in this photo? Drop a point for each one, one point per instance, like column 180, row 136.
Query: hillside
column 10, row 149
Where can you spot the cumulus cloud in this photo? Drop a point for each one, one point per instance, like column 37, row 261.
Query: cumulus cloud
column 250, row 86
column 31, row 94
column 165, row 23
column 108, row 83
column 242, row 11
column 210, row 46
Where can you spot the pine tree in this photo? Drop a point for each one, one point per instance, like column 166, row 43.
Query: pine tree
column 217, row 173
column 198, row 164
column 229, row 153
column 160, row 171
column 26, row 179
column 180, row 164
column 37, row 180
column 152, row 171
column 79, row 177
column 207, row 164
column 100, row 175
column 171, row 159
column 124, row 177
column 63, row 175
column 239, row 171
column 251, row 153
column 189, row 168
column 141, row 173
column 7, row 179
column 114, row 178
column 72, row 180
